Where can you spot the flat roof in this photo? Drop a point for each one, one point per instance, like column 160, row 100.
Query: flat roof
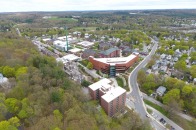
column 86, row 43
column 114, row 93
column 67, row 58
column 103, row 82
column 70, row 57
column 75, row 50
column 116, row 60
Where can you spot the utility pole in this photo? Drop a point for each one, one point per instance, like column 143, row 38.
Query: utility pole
column 66, row 38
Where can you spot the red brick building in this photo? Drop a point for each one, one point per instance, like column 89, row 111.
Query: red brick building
column 111, row 66
column 112, row 99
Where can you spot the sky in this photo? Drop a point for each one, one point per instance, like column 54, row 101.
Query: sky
column 82, row 5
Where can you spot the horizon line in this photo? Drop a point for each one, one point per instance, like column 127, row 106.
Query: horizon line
column 99, row 10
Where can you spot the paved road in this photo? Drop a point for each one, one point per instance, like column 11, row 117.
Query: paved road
column 187, row 117
column 136, row 94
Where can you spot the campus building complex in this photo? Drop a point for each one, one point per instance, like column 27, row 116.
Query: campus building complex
column 112, row 99
column 111, row 66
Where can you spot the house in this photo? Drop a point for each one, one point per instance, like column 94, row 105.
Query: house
column 163, row 69
column 194, row 81
column 104, row 46
column 161, row 90
column 169, row 57
column 112, row 52
column 163, row 56
column 155, row 67
column 3, row 79
column 88, row 52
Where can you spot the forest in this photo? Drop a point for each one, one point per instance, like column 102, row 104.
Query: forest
column 41, row 96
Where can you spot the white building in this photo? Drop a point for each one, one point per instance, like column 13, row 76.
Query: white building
column 60, row 45
column 86, row 43
column 161, row 90
column 68, row 58
column 3, row 79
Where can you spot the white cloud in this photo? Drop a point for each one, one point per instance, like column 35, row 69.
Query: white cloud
column 67, row 5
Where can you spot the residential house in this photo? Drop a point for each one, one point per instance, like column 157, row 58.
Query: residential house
column 104, row 46
column 161, row 90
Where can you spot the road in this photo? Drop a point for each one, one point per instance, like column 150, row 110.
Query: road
column 137, row 97
column 157, row 116
column 136, row 94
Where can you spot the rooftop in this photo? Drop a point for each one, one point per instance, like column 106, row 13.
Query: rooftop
column 85, row 43
column 75, row 50
column 116, row 60
column 107, row 52
column 101, row 83
column 67, row 58
column 114, row 93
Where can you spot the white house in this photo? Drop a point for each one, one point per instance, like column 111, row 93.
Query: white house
column 161, row 90
column 3, row 79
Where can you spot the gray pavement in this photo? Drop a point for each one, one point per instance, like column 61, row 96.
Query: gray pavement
column 157, row 116
column 136, row 94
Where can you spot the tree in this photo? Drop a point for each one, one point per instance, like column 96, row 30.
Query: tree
column 173, row 94
column 187, row 89
column 11, row 124
column 180, row 66
column 90, row 66
column 20, row 71
column 8, row 71
column 13, row 105
column 193, row 71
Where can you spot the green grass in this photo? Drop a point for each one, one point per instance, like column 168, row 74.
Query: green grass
column 65, row 19
column 160, row 109
column 120, row 82
column 149, row 111
column 86, row 28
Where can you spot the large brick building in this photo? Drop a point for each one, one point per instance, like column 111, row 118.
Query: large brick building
column 112, row 99
column 112, row 65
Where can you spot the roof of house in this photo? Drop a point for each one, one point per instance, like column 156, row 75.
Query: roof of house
column 101, row 83
column 107, row 52
column 104, row 44
column 1, row 75
column 89, row 51
column 114, row 93
column 161, row 89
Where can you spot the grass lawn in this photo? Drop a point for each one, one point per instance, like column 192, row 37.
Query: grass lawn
column 120, row 82
column 86, row 28
column 160, row 109
column 65, row 19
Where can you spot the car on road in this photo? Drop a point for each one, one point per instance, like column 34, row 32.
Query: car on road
column 147, row 115
column 163, row 121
